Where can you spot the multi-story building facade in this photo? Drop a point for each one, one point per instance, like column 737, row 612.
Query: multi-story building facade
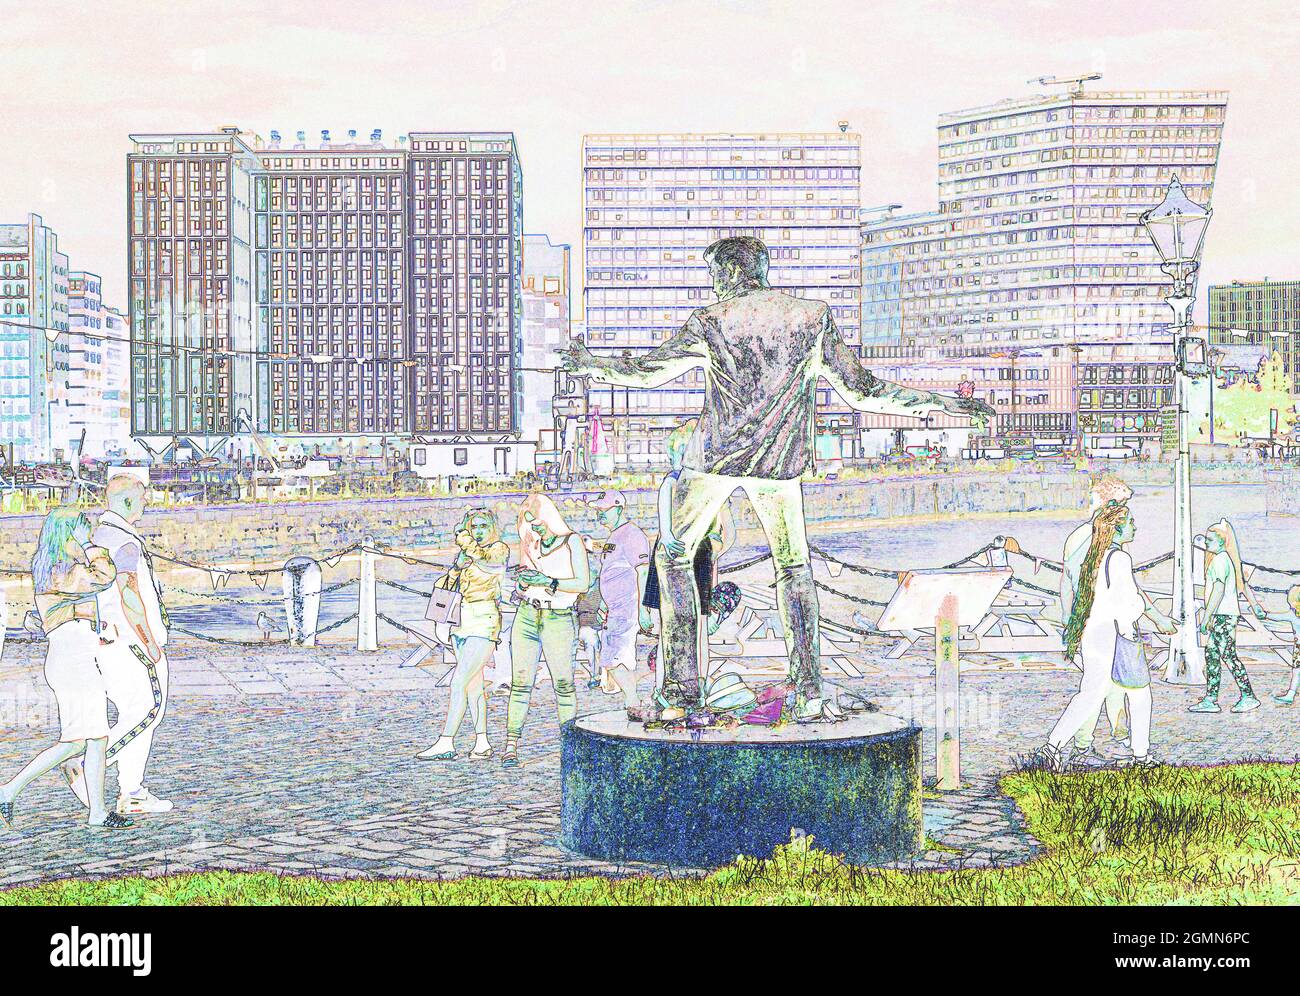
column 1029, row 387
column 1263, row 313
column 33, row 354
column 1037, row 238
column 95, row 395
column 350, row 288
column 189, row 245
column 653, row 203
column 547, row 328
column 111, row 438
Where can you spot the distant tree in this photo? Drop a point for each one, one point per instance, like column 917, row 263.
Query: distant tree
column 1243, row 408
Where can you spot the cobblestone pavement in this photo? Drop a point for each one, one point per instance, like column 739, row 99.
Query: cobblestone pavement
column 301, row 761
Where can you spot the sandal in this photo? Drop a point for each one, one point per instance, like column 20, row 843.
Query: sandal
column 510, row 759
column 484, row 756
column 113, row 821
column 445, row 755
column 7, row 812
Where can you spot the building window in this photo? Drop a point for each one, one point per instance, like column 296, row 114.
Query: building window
column 460, row 456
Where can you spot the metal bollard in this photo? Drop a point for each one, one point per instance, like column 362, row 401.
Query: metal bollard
column 367, row 622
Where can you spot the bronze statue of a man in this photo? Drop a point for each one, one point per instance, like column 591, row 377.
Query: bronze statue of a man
column 762, row 352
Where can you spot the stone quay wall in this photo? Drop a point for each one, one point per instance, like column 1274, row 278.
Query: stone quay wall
column 271, row 533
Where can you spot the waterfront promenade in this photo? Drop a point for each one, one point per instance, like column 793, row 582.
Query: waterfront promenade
column 299, row 760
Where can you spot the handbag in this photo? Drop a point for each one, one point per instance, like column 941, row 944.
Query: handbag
column 1128, row 666
column 444, row 602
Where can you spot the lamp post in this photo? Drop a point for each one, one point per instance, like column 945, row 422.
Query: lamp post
column 1216, row 355
column 1177, row 228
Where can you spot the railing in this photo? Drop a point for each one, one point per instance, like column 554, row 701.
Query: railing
column 367, row 615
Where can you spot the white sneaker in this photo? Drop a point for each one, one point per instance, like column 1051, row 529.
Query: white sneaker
column 74, row 773
column 141, row 803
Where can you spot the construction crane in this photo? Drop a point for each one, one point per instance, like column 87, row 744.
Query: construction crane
column 1075, row 83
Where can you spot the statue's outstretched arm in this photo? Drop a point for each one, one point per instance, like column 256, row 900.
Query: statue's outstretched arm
column 860, row 388
column 865, row 392
column 685, row 351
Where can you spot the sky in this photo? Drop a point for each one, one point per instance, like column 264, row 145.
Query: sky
column 78, row 80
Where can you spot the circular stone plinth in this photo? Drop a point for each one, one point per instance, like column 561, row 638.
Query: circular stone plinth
column 700, row 800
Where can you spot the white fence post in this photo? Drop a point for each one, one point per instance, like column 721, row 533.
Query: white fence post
column 367, row 621
column 947, row 697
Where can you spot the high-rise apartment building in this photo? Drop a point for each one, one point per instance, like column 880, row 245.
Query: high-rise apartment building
column 1264, row 313
column 33, row 357
column 189, row 247
column 339, row 288
column 546, row 325
column 1037, row 238
column 653, row 203
column 95, row 395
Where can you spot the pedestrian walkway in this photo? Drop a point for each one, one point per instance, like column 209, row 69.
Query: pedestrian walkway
column 299, row 760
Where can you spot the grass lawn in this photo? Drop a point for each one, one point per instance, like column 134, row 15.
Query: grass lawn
column 1220, row 835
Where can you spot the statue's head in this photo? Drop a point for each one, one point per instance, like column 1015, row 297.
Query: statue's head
column 737, row 264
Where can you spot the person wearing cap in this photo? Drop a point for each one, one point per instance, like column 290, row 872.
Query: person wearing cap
column 762, row 353
column 625, row 562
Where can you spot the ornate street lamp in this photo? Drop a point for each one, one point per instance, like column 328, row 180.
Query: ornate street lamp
column 1177, row 227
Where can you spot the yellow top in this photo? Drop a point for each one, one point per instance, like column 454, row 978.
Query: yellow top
column 480, row 579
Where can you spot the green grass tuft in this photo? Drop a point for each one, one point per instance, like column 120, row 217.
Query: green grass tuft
column 1212, row 836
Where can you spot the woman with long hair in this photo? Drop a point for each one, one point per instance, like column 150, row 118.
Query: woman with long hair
column 477, row 573
column 1225, row 582
column 1103, row 629
column 553, row 573
column 67, row 573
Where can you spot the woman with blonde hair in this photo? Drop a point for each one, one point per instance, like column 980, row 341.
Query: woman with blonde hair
column 1102, row 629
column 553, row 573
column 1225, row 582
column 67, row 574
column 476, row 573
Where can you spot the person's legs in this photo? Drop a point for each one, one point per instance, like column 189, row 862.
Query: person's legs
column 559, row 636
column 1139, row 719
column 478, row 651
column 525, row 652
column 1237, row 668
column 1114, row 714
column 1087, row 701
column 48, row 759
column 779, row 506
column 1287, row 697
column 697, row 499
column 618, row 652
column 96, row 766
column 139, row 690
column 472, row 653
column 1213, row 661
column 1120, row 725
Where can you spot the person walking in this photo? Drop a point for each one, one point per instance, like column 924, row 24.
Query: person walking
column 1103, row 630
column 625, row 562
column 1291, row 619
column 67, row 574
column 553, row 573
column 133, row 660
column 1225, row 583
column 1106, row 489
column 476, row 573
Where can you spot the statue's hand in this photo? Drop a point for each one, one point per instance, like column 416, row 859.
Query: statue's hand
column 972, row 408
column 577, row 359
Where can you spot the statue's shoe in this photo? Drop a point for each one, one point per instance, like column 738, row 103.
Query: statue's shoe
column 818, row 710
